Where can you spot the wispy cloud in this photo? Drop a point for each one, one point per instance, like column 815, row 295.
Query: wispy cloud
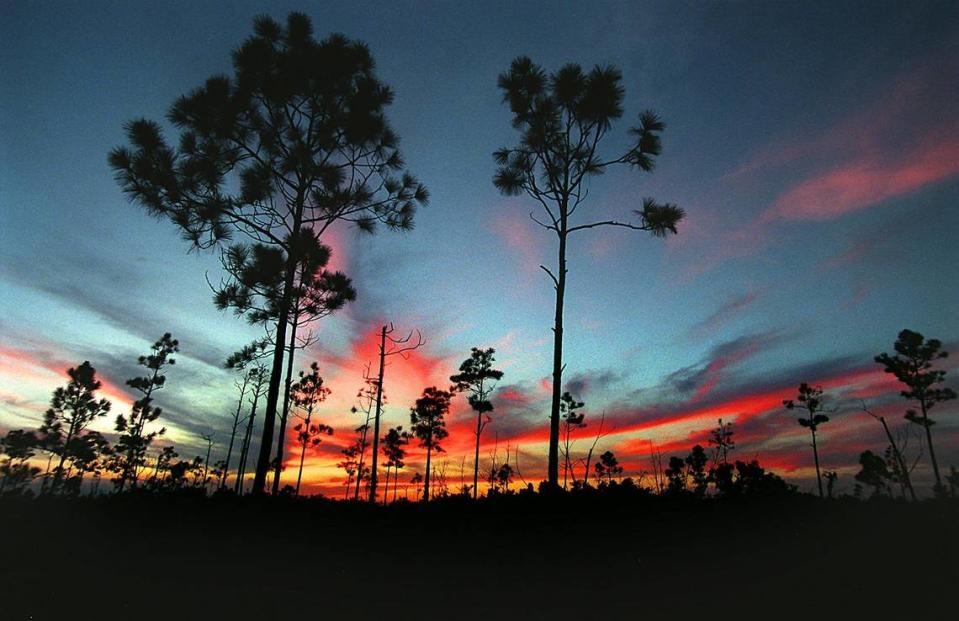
column 870, row 179
column 731, row 310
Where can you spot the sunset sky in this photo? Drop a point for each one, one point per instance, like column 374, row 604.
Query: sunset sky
column 814, row 147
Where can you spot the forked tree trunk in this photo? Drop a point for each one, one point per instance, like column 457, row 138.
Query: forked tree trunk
column 247, row 439
column 236, row 423
column 906, row 482
column 273, row 392
column 276, row 369
column 281, row 438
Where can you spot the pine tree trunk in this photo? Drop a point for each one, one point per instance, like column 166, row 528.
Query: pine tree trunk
column 907, row 483
column 245, row 452
column 376, row 420
column 479, row 429
column 553, row 464
column 281, row 437
column 236, row 423
column 276, row 369
column 386, row 488
column 299, row 475
column 589, row 458
column 932, row 452
column 273, row 393
column 426, row 479
column 359, row 466
column 815, row 452
column 58, row 472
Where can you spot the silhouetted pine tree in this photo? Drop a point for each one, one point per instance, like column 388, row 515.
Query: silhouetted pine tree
column 255, row 291
column 608, row 467
column 295, row 141
column 810, row 399
column 393, row 449
column 428, row 425
column 368, row 397
column 389, row 346
column 19, row 447
column 894, row 457
column 307, row 394
column 912, row 365
column 133, row 441
column 722, row 438
column 72, row 409
column 570, row 421
column 874, row 473
column 241, row 385
column 676, row 475
column 562, row 119
column 477, row 378
column 259, row 379
column 696, row 469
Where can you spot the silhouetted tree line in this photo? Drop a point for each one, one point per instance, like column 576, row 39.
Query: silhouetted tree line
column 297, row 141
column 74, row 453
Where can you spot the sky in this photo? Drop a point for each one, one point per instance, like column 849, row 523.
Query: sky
column 814, row 147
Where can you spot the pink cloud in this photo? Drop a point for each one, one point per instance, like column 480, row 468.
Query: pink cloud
column 869, row 180
column 519, row 234
column 904, row 140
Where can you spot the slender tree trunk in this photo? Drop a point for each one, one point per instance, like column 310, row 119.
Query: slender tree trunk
column 206, row 464
column 932, row 452
column 236, row 423
column 479, row 430
column 58, row 472
column 815, row 452
column 130, row 467
column 359, row 468
column 272, row 395
column 281, row 437
column 553, row 465
column 426, row 480
column 299, row 475
column 376, row 420
column 906, row 482
column 46, row 475
column 589, row 458
column 386, row 488
column 247, row 439
column 276, row 370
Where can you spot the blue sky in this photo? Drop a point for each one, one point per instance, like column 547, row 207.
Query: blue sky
column 814, row 146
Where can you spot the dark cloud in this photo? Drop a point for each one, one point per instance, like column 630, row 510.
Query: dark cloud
column 730, row 310
column 715, row 366
column 585, row 383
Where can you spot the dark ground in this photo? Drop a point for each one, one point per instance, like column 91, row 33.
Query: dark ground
column 513, row 558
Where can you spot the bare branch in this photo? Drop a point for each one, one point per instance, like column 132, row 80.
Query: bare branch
column 550, row 274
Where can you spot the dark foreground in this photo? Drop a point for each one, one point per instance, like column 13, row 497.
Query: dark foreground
column 513, row 558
